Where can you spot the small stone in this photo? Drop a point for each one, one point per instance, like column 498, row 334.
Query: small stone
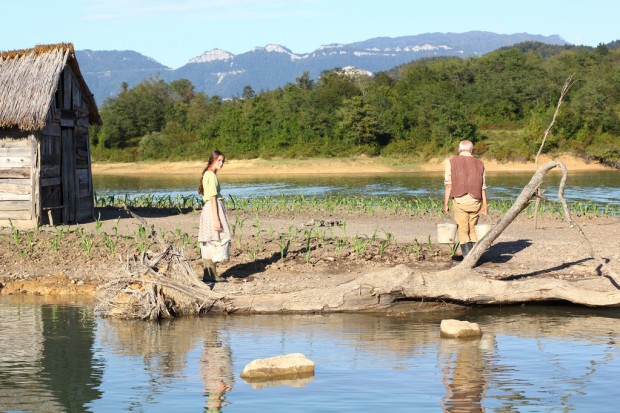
column 459, row 329
column 295, row 364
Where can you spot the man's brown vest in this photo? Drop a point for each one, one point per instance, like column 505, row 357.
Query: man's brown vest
column 467, row 174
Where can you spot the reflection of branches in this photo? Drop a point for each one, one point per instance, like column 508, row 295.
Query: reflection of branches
column 579, row 382
column 547, row 333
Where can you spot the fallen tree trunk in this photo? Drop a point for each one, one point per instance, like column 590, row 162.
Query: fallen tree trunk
column 522, row 201
column 379, row 291
column 519, row 205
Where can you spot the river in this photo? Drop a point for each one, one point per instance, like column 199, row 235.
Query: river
column 62, row 358
column 600, row 187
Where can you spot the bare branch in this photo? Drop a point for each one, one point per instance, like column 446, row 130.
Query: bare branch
column 567, row 85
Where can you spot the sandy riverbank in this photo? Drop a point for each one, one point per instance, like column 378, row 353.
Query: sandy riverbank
column 360, row 165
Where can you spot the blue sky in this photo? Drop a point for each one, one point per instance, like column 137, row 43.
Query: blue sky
column 174, row 31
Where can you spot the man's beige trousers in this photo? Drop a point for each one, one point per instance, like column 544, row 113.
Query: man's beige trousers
column 466, row 216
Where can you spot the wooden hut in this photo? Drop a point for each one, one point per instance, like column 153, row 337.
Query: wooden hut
column 45, row 112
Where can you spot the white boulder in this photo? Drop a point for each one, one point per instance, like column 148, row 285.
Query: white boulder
column 460, row 329
column 287, row 365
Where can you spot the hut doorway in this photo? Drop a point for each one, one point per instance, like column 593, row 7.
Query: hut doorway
column 59, row 193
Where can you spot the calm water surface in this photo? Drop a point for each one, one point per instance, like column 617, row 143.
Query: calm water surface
column 60, row 358
column 601, row 187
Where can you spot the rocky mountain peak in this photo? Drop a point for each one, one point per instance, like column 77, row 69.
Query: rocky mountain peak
column 212, row 56
column 276, row 48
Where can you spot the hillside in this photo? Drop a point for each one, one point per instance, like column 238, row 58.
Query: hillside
column 217, row 72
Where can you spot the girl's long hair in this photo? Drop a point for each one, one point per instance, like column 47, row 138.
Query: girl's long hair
column 214, row 155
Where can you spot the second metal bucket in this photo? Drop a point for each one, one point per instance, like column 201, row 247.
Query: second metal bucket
column 446, row 233
column 481, row 230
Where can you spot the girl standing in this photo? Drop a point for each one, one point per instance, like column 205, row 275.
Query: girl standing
column 213, row 220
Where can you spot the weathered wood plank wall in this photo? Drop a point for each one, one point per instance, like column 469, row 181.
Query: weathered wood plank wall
column 15, row 177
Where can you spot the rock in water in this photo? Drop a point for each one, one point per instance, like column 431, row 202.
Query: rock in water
column 459, row 329
column 295, row 364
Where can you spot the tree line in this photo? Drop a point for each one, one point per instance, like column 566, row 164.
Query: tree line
column 503, row 101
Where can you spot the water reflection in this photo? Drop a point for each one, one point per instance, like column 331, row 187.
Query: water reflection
column 46, row 357
column 60, row 358
column 465, row 369
column 216, row 370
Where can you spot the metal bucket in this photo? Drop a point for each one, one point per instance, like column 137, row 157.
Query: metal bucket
column 481, row 230
column 446, row 233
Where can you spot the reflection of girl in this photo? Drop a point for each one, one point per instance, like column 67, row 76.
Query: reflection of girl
column 216, row 371
column 213, row 220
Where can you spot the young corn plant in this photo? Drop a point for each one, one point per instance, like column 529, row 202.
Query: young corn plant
column 141, row 245
column 115, row 227
column 415, row 248
column 237, row 230
column 87, row 243
column 453, row 248
column 98, row 223
column 53, row 241
column 140, row 237
column 375, row 234
column 185, row 240
column 60, row 233
column 252, row 253
column 308, row 234
column 285, row 243
column 15, row 236
column 259, row 227
column 340, row 244
column 110, row 243
column 31, row 242
column 359, row 245
column 383, row 246
column 141, row 233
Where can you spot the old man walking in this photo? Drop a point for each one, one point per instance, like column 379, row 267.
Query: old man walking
column 464, row 182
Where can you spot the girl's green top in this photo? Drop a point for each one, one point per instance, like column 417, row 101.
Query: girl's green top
column 211, row 186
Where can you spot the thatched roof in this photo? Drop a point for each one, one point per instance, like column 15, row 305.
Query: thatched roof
column 28, row 81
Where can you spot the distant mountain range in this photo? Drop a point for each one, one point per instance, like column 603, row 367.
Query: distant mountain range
column 217, row 72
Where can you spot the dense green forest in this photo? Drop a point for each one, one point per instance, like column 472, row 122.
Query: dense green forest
column 503, row 101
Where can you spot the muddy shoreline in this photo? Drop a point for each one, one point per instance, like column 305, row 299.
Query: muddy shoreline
column 553, row 250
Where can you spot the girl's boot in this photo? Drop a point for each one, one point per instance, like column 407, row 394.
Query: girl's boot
column 210, row 272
